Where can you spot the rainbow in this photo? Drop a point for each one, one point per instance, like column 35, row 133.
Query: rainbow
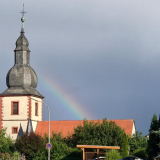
column 63, row 97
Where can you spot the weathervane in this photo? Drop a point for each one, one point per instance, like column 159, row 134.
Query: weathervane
column 23, row 19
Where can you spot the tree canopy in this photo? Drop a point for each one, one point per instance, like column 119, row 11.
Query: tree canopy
column 125, row 146
column 137, row 141
column 31, row 145
column 154, row 139
column 6, row 144
column 106, row 133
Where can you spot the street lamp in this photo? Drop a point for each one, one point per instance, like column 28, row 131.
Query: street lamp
column 48, row 125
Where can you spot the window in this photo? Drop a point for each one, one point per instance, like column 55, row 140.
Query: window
column 15, row 108
column 36, row 109
column 14, row 130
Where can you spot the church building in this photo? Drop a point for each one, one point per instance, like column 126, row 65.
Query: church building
column 21, row 102
column 21, row 105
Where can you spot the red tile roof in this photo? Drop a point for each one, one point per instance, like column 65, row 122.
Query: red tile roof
column 66, row 127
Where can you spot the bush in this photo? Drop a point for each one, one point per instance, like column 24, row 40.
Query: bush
column 6, row 144
column 75, row 153
column 137, row 141
column 106, row 133
column 5, row 155
column 141, row 153
column 112, row 155
column 31, row 145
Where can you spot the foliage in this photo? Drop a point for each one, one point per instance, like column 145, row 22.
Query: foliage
column 141, row 153
column 16, row 155
column 105, row 133
column 96, row 133
column 154, row 139
column 112, row 155
column 6, row 145
column 72, row 158
column 74, row 154
column 5, row 155
column 41, row 155
column 31, row 145
column 125, row 146
column 59, row 149
column 137, row 141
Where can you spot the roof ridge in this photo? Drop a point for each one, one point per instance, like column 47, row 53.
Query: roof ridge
column 89, row 120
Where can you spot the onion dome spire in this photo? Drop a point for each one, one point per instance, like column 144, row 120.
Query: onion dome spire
column 21, row 78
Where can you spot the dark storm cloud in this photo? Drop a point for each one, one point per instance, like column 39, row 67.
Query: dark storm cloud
column 105, row 54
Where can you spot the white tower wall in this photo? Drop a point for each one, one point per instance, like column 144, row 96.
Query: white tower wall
column 26, row 107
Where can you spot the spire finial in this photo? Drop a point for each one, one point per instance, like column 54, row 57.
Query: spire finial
column 23, row 19
column 23, row 12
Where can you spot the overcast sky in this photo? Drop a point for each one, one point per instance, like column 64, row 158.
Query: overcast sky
column 93, row 58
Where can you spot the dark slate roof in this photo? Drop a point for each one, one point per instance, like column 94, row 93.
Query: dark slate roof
column 20, row 132
column 29, row 127
column 21, row 78
column 21, row 91
column 22, row 42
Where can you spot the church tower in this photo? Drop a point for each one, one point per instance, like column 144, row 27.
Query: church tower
column 21, row 101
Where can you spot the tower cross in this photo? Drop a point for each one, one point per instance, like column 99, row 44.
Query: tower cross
column 23, row 12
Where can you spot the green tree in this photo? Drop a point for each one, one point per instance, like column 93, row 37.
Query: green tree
column 59, row 149
column 31, row 145
column 141, row 153
column 158, row 135
column 6, row 144
column 137, row 141
column 96, row 133
column 153, row 143
column 125, row 146
column 112, row 155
